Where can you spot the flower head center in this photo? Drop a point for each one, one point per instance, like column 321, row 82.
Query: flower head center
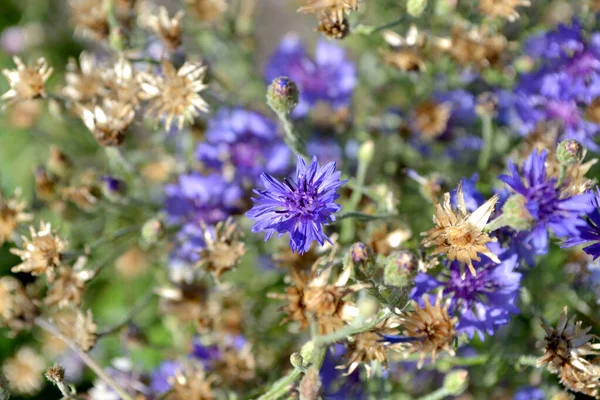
column 460, row 236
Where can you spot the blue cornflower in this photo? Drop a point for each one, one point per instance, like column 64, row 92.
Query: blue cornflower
column 159, row 380
column 589, row 231
column 329, row 78
column 299, row 206
column 246, row 140
column 484, row 301
column 196, row 197
column 544, row 202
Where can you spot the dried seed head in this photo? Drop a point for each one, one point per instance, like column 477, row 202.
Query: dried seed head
column 431, row 119
column 24, row 371
column 41, row 253
column 335, row 9
column 27, row 82
column 191, row 382
column 90, row 19
column 77, row 326
column 223, row 250
column 11, row 215
column 207, row 10
column 502, row 8
column 459, row 234
column 432, row 328
column 186, row 302
column 169, row 29
column 333, row 28
column 85, row 82
column 174, row 95
column 108, row 122
column 66, row 290
column 366, row 347
column 17, row 310
column 55, row 374
column 121, row 84
column 475, row 47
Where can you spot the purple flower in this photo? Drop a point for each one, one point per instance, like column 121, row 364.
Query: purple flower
column 246, row 140
column 196, row 198
column 483, row 302
column 529, row 393
column 589, row 231
column 299, row 206
column 325, row 149
column 336, row 385
column 329, row 78
column 544, row 202
column 159, row 380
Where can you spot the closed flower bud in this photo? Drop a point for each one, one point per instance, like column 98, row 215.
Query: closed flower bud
column 366, row 152
column 570, row 152
column 282, row 95
column 515, row 213
column 400, row 268
column 296, row 360
column 456, row 382
column 360, row 253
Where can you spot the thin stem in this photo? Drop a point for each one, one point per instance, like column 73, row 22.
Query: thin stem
column 294, row 142
column 144, row 301
column 347, row 232
column 282, row 386
column 562, row 175
column 350, row 330
column 496, row 224
column 49, row 327
column 364, row 217
column 488, row 141
column 369, row 30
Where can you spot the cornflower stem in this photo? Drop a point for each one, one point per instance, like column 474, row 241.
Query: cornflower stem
column 350, row 330
column 562, row 175
column 89, row 361
column 347, row 232
column 294, row 142
column 282, row 386
column 488, row 141
column 496, row 224
column 65, row 391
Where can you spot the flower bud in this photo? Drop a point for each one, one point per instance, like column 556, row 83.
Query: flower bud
column 306, row 351
column 515, row 213
column 360, row 253
column 296, row 360
column 400, row 267
column 152, row 231
column 456, row 382
column 56, row 374
column 282, row 95
column 570, row 152
column 366, row 152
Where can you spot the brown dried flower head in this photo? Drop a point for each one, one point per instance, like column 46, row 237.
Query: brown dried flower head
column 313, row 294
column 169, row 29
column 17, row 310
column 458, row 233
column 502, row 8
column 67, row 289
column 41, row 253
column 121, row 83
column 77, row 326
column 475, row 47
column 132, row 264
column 223, row 250
column 334, row 8
column 431, row 119
column 24, row 371
column 366, row 347
column 432, row 328
column 224, row 312
column 207, row 10
column 174, row 96
column 386, row 238
column 592, row 112
column 27, row 82
column 286, row 258
column 191, row 382
column 90, row 18
column 333, row 28
column 586, row 382
column 11, row 214
column 108, row 122
column 85, row 82
column 55, row 374
column 187, row 302
column 406, row 54
column 236, row 365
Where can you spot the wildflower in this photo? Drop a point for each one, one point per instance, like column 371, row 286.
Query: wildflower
column 17, row 310
column 282, row 95
column 223, row 249
column 329, row 78
column 565, row 350
column 41, row 253
column 544, row 201
column 570, row 152
column 169, row 29
column 85, row 82
column 207, row 10
column 312, row 293
column 427, row 329
column 236, row 363
column 108, row 122
column 55, row 374
column 27, row 82
column 121, row 84
column 529, row 393
column 90, row 18
column 24, row 371
column 483, row 302
column 431, row 119
column 191, row 382
column 589, row 232
column 160, row 381
column 67, row 289
column 243, row 141
column 77, row 326
column 502, row 8
column 475, row 47
column 334, row 8
column 11, row 215
column 174, row 95
column 458, row 233
column 400, row 268
column 300, row 206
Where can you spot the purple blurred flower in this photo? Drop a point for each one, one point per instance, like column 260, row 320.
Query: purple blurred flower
column 589, row 231
column 300, row 206
column 248, row 141
column 483, row 302
column 336, row 385
column 159, row 380
column 329, row 78
column 13, row 40
column 529, row 393
column 325, row 149
column 544, row 202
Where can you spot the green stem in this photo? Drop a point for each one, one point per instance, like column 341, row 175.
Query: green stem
column 488, row 141
column 350, row 331
column 282, row 386
column 294, row 142
column 363, row 216
column 369, row 30
column 496, row 224
column 437, row 395
column 347, row 232
column 562, row 175
column 141, row 304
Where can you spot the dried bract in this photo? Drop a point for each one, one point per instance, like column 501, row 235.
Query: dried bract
column 85, row 83
column 108, row 122
column 169, row 29
column 333, row 28
column 191, row 382
column 66, row 290
column 17, row 310
column 431, row 119
column 41, row 253
column 27, row 82
column 90, row 18
column 11, row 215
column 334, row 8
column 502, row 8
column 223, row 250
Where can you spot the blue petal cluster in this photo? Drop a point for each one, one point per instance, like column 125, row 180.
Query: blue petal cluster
column 300, row 206
column 330, row 77
column 589, row 231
